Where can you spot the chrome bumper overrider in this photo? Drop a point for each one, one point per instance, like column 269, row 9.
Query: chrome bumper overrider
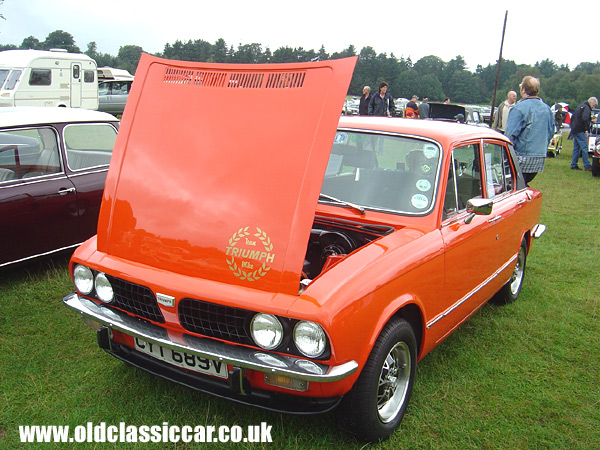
column 538, row 230
column 237, row 356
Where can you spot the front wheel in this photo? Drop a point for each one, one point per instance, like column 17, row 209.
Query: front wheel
column 510, row 291
column 374, row 407
column 595, row 167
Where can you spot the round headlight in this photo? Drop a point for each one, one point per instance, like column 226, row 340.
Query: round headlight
column 310, row 339
column 83, row 279
column 266, row 330
column 104, row 290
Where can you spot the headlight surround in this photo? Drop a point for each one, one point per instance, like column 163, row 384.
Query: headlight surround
column 104, row 289
column 266, row 330
column 83, row 279
column 310, row 339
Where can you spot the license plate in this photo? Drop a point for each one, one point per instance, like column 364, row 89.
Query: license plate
column 181, row 359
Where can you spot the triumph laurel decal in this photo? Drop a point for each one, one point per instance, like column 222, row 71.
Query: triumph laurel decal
column 249, row 253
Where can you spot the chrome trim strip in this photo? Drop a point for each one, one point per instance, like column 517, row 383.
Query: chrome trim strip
column 41, row 254
column 238, row 356
column 470, row 294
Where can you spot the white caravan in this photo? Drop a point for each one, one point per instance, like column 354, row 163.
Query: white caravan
column 48, row 78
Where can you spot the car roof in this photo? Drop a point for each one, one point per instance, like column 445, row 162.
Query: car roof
column 442, row 131
column 34, row 115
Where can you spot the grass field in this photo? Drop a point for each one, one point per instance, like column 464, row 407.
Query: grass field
column 523, row 376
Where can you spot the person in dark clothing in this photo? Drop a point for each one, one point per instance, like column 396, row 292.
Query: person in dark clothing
column 363, row 107
column 580, row 126
column 411, row 110
column 382, row 103
column 424, row 109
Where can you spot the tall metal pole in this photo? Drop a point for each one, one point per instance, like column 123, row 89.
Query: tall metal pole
column 498, row 71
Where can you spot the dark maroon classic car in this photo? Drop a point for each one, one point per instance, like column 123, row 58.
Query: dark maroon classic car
column 53, row 164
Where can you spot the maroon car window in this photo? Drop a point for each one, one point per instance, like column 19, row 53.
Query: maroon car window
column 89, row 145
column 28, row 153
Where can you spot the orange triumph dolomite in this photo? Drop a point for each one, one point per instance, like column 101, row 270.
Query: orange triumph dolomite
column 254, row 245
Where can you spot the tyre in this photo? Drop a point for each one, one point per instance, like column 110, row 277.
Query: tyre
column 510, row 291
column 374, row 407
column 595, row 167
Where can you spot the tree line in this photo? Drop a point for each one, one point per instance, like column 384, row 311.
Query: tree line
column 429, row 77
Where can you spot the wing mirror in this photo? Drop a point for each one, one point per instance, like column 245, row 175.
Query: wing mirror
column 479, row 207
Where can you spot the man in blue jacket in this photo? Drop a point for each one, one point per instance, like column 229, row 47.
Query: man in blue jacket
column 580, row 126
column 530, row 127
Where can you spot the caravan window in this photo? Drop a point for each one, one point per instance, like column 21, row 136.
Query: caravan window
column 3, row 75
column 40, row 77
column 88, row 76
column 13, row 78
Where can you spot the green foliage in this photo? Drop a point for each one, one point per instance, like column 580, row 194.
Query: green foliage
column 429, row 77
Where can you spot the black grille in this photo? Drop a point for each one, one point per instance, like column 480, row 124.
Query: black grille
column 136, row 299
column 212, row 320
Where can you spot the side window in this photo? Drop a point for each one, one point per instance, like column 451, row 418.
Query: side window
column 13, row 79
column 450, row 200
column 103, row 88
column 89, row 145
column 499, row 174
column 40, row 77
column 465, row 174
column 28, row 153
column 89, row 76
column 76, row 72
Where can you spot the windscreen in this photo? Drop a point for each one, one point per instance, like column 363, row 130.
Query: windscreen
column 383, row 172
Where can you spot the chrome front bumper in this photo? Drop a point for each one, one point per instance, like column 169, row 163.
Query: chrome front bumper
column 237, row 356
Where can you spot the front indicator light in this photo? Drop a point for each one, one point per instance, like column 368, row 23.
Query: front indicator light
column 104, row 289
column 83, row 279
column 286, row 382
column 310, row 339
column 266, row 330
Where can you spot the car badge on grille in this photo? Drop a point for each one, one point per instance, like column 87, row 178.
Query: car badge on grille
column 166, row 300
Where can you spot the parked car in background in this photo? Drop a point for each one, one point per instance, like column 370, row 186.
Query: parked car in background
column 457, row 113
column 351, row 106
column 596, row 161
column 300, row 280
column 400, row 106
column 113, row 89
column 53, row 163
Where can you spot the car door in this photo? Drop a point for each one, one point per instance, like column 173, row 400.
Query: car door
column 501, row 187
column 38, row 204
column 470, row 241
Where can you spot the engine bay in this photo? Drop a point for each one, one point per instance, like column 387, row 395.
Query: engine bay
column 331, row 240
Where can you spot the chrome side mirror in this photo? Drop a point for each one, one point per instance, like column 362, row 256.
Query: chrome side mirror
column 479, row 207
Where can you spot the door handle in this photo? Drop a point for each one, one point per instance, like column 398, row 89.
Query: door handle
column 65, row 191
column 495, row 219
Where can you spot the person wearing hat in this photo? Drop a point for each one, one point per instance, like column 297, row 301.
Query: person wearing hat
column 411, row 110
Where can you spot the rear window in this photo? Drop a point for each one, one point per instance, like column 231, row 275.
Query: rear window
column 89, row 145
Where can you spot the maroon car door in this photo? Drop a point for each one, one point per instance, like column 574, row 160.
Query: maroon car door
column 38, row 203
column 39, row 215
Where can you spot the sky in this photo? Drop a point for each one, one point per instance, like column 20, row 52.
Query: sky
column 535, row 30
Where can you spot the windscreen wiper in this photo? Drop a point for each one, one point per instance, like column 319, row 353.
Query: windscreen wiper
column 354, row 206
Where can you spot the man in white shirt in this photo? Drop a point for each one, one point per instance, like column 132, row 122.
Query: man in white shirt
column 503, row 109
